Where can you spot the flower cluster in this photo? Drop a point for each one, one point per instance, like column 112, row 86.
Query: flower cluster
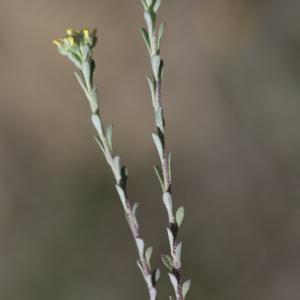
column 77, row 45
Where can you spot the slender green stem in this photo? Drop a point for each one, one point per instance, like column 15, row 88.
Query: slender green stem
column 77, row 46
column 152, row 39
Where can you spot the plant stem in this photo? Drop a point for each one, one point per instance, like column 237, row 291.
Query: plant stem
column 152, row 39
column 77, row 46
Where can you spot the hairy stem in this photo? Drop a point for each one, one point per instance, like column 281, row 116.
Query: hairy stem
column 152, row 39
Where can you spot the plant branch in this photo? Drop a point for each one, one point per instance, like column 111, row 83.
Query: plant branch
column 77, row 46
column 152, row 39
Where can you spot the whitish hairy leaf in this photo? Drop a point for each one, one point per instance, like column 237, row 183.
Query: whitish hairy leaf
column 145, row 36
column 167, row 260
column 141, row 245
column 185, row 287
column 156, row 5
column 97, row 123
column 171, row 239
column 179, row 216
column 152, row 90
column 167, row 199
column 148, row 254
column 149, row 22
column 156, row 66
column 160, row 34
column 109, row 136
column 156, row 275
column 122, row 196
column 117, row 168
column 159, row 175
column 173, row 281
column 100, row 145
column 158, row 145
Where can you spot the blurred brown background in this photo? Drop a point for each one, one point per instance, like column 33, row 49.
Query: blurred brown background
column 232, row 104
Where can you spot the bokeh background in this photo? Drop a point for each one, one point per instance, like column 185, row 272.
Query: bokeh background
column 232, row 100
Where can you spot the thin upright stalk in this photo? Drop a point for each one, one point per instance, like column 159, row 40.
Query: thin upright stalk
column 77, row 46
column 152, row 39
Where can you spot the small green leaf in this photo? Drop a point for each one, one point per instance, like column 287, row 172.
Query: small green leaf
column 159, row 174
column 144, row 4
column 174, row 282
column 117, row 168
column 100, row 144
column 160, row 34
column 158, row 145
column 146, row 39
column 122, row 196
column 167, row 199
column 97, row 123
column 156, row 5
column 185, row 287
column 141, row 246
column 156, row 275
column 156, row 66
column 167, row 260
column 179, row 216
column 109, row 136
column 149, row 22
column 148, row 254
column 152, row 90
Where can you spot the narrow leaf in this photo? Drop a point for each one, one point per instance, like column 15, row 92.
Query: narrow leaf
column 152, row 90
column 97, row 123
column 179, row 216
column 158, row 145
column 146, row 39
column 160, row 34
column 156, row 66
column 167, row 199
column 141, row 245
column 174, row 281
column 159, row 175
column 149, row 22
column 100, row 144
column 156, row 275
column 148, row 254
column 156, row 5
column 109, row 136
column 185, row 287
column 122, row 196
column 167, row 261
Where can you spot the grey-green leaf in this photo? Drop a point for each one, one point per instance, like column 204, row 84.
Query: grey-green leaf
column 158, row 145
column 152, row 90
column 141, row 245
column 145, row 36
column 185, row 287
column 167, row 260
column 156, row 275
column 122, row 196
column 179, row 216
column 159, row 174
column 160, row 34
column 109, row 136
column 149, row 22
column 156, row 5
column 156, row 66
column 148, row 254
